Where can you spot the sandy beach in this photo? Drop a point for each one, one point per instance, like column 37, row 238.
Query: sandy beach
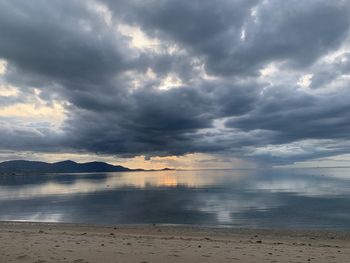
column 40, row 243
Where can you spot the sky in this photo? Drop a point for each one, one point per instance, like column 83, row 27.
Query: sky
column 183, row 84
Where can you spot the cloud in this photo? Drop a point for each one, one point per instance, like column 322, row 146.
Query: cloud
column 248, row 79
column 298, row 33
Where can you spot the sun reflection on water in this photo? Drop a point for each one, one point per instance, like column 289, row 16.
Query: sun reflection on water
column 70, row 184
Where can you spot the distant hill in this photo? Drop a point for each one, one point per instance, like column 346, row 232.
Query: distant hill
column 29, row 167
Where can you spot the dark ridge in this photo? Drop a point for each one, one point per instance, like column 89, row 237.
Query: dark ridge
column 29, row 167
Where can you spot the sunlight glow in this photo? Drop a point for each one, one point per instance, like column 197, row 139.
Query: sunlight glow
column 305, row 80
column 138, row 39
column 3, row 66
column 269, row 70
column 8, row 90
column 243, row 35
column 169, row 82
column 101, row 10
column 54, row 114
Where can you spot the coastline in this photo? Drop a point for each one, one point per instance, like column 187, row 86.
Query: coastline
column 62, row 242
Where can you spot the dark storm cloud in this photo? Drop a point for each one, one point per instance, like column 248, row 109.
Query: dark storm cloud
column 298, row 117
column 73, row 52
column 273, row 30
column 163, row 122
column 292, row 118
column 62, row 40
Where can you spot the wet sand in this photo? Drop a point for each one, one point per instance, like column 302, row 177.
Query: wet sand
column 40, row 243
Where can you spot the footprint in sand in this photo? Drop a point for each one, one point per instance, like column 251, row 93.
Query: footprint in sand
column 23, row 257
column 80, row 260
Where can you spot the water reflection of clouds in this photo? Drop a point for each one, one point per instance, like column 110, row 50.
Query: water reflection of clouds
column 255, row 197
column 35, row 217
column 228, row 205
column 303, row 188
column 304, row 183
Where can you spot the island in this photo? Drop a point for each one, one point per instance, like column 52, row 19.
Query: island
column 16, row 167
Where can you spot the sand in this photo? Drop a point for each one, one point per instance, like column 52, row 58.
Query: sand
column 39, row 243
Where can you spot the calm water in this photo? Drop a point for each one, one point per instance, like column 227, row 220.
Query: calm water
column 295, row 198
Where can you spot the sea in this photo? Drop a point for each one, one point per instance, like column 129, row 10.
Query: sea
column 279, row 198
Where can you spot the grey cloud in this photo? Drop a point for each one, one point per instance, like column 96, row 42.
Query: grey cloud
column 298, row 117
column 68, row 51
column 298, row 32
column 291, row 31
column 9, row 100
column 162, row 122
column 20, row 137
column 49, row 40
column 326, row 73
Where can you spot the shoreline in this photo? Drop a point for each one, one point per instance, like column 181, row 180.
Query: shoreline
column 216, row 228
column 79, row 243
column 228, row 229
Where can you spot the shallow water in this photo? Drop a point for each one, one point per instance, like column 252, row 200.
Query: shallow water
column 273, row 198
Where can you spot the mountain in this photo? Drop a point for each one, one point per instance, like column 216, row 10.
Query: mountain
column 25, row 167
